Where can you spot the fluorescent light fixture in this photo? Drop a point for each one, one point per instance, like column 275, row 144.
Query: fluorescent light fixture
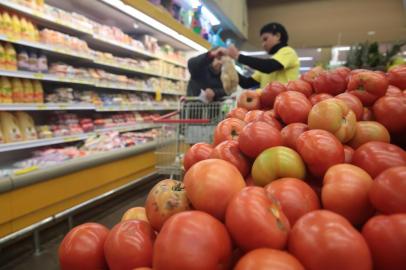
column 318, row 49
column 343, row 48
column 154, row 23
column 195, row 3
column 210, row 16
column 254, row 53
column 306, row 58
column 305, row 68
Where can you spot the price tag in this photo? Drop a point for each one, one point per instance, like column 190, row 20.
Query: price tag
column 12, row 39
column 158, row 94
column 37, row 13
column 26, row 170
column 39, row 76
column 41, row 107
column 63, row 106
column 71, row 139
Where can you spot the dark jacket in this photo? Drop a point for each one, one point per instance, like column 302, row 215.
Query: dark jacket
column 203, row 76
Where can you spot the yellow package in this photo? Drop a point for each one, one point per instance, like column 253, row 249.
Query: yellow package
column 7, row 96
column 2, row 57
column 16, row 26
column 17, row 90
column 28, row 96
column 7, row 25
column 38, row 92
column 11, row 57
column 26, row 125
column 9, row 127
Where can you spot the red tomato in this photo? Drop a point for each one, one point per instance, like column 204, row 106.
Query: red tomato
column 196, row 153
column 386, row 238
column 348, row 152
column 320, row 150
column 367, row 115
column 249, row 100
column 324, row 240
column 269, row 93
column 368, row 86
column 329, row 82
column 82, row 248
column 257, row 115
column 393, row 91
column 375, row 157
column 343, row 72
column 255, row 220
column 230, row 151
column 129, row 245
column 137, row 213
column 165, row 199
column 258, row 136
column 345, row 191
column 397, row 76
column 252, row 116
column 211, row 184
column 292, row 107
column 316, row 98
column 310, row 75
column 228, row 129
column 391, row 112
column 192, row 240
column 268, row 259
column 388, row 191
column 300, row 86
column 249, row 181
column 367, row 131
column 277, row 162
column 291, row 132
column 237, row 113
column 143, row 268
column 334, row 116
column 353, row 103
column 295, row 196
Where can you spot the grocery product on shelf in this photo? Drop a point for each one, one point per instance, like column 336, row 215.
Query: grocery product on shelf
column 10, row 57
column 10, row 129
column 26, row 125
column 6, row 95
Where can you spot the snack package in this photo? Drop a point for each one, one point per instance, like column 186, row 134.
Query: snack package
column 229, row 76
column 26, row 125
column 17, row 90
column 9, row 127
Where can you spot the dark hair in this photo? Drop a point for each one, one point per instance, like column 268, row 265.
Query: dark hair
column 275, row 28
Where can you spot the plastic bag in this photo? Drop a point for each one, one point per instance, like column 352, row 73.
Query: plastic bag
column 229, row 76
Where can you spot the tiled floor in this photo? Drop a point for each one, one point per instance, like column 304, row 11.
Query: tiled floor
column 108, row 214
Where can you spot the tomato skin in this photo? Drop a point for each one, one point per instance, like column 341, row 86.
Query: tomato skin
column 269, row 93
column 257, row 115
column 345, row 192
column 249, row 100
column 82, row 248
column 390, row 111
column 196, row 153
column 343, row 72
column 216, row 177
column 255, row 220
column 165, row 199
column 129, row 245
column 388, row 191
column 368, row 86
column 397, row 76
column 257, row 137
column 295, row 196
column 292, row 107
column 367, row 131
column 368, row 115
column 320, row 150
column 300, row 86
column 329, row 82
column 238, row 113
column 353, row 103
column 386, row 238
column 323, row 240
column 268, row 259
column 192, row 240
column 291, row 132
column 316, row 98
column 228, row 129
column 393, row 91
column 375, row 157
column 310, row 75
column 137, row 213
column 230, row 151
column 277, row 162
column 348, row 152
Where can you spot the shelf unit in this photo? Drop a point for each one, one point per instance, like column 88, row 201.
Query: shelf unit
column 84, row 107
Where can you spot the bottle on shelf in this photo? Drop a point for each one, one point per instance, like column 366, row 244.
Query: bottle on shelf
column 5, row 86
column 38, row 92
column 6, row 24
column 11, row 57
column 16, row 26
column 28, row 91
column 2, row 57
column 17, row 90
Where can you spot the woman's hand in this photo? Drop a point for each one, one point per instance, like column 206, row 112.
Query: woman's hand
column 233, row 52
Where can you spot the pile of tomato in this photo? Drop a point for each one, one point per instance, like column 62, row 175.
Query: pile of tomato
column 305, row 175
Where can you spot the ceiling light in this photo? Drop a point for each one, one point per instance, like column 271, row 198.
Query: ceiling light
column 254, row 53
column 318, row 49
column 371, row 33
column 343, row 48
column 305, row 68
column 210, row 16
column 306, row 58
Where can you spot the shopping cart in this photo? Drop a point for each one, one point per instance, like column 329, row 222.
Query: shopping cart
column 193, row 122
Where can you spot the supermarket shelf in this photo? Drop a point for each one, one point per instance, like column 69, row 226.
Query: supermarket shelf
column 135, row 108
column 71, row 138
column 45, row 106
column 43, row 77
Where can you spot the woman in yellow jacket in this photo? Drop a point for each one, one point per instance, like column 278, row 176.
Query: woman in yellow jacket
column 282, row 67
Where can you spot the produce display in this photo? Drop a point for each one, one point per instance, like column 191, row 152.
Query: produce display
column 323, row 188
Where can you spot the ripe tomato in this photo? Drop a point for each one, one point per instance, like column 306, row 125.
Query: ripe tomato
column 367, row 115
column 249, row 181
column 345, row 191
column 391, row 112
column 192, row 240
column 353, row 103
column 249, row 100
column 196, row 153
column 368, row 86
column 367, row 131
column 291, row 132
column 324, row 240
column 320, row 150
column 255, row 220
column 343, row 72
column 268, row 259
column 295, row 196
column 257, row 115
column 310, row 75
column 165, row 199
column 348, row 152
column 129, row 245
column 386, row 238
column 237, row 113
column 316, row 98
column 277, row 162
column 228, row 129
column 292, row 107
column 269, row 93
column 334, row 116
column 388, row 191
column 82, row 248
column 393, row 91
column 137, row 213
column 397, row 76
column 375, row 157
column 230, row 151
column 300, row 86
column 258, row 136
column 329, row 82
column 211, row 184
